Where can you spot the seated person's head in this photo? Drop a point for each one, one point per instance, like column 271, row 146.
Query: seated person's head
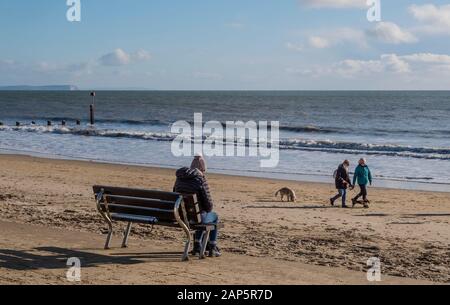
column 199, row 163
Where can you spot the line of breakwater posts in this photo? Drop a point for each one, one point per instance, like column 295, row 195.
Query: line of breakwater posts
column 49, row 123
column 77, row 122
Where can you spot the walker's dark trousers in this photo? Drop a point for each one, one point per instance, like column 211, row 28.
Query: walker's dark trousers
column 362, row 193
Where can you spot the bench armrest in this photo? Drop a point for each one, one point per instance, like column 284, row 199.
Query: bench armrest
column 99, row 199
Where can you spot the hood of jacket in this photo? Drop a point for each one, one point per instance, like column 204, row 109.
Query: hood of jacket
column 187, row 173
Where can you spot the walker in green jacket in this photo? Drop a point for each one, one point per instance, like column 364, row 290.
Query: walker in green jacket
column 362, row 175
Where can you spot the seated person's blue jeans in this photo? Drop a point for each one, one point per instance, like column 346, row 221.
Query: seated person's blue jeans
column 208, row 218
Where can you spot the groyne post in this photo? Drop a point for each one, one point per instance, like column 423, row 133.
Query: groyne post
column 92, row 109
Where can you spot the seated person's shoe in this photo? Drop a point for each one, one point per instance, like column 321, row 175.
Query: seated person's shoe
column 214, row 251
column 197, row 248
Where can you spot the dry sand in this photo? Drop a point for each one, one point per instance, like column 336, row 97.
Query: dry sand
column 45, row 203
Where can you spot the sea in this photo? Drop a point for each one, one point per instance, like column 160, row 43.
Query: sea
column 404, row 135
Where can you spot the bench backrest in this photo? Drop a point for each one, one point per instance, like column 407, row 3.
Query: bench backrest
column 192, row 208
column 165, row 206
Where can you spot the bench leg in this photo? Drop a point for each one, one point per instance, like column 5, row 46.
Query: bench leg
column 108, row 238
column 204, row 243
column 187, row 246
column 126, row 234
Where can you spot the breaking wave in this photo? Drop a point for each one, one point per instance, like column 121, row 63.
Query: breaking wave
column 287, row 144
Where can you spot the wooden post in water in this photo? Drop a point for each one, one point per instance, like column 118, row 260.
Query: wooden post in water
column 49, row 123
column 78, row 122
column 17, row 124
column 92, row 109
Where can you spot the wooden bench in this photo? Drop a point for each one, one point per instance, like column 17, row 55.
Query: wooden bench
column 156, row 208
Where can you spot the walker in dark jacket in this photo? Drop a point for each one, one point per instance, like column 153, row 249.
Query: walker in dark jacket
column 342, row 176
column 342, row 182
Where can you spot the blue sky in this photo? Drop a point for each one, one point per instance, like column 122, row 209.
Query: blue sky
column 226, row 44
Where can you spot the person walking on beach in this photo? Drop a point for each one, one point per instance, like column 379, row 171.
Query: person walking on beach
column 364, row 177
column 193, row 181
column 342, row 181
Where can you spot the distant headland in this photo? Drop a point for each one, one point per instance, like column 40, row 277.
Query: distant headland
column 40, row 88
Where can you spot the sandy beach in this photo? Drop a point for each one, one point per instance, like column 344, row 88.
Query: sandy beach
column 48, row 213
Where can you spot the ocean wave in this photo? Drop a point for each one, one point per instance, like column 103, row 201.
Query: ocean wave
column 367, row 149
column 301, row 129
column 310, row 129
column 362, row 147
column 287, row 144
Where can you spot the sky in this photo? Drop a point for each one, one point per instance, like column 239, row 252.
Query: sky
column 226, row 45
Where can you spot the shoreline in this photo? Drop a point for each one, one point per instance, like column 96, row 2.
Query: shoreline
column 403, row 228
column 381, row 183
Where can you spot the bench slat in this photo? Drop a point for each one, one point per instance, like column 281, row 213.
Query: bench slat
column 143, row 202
column 134, row 218
column 121, row 191
column 161, row 215
column 138, row 209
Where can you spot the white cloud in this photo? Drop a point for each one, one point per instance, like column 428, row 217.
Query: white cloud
column 141, row 55
column 418, row 64
column 387, row 63
column 386, row 32
column 434, row 19
column 351, row 67
column 428, row 58
column 334, row 3
column 116, row 58
column 394, row 63
column 52, row 72
column 319, row 42
column 121, row 58
column 6, row 64
column 315, row 72
column 294, row 47
column 389, row 32
column 337, row 37
column 44, row 66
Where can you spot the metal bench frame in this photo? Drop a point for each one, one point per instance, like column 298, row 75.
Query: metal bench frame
column 188, row 228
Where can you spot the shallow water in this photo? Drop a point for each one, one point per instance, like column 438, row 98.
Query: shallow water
column 404, row 135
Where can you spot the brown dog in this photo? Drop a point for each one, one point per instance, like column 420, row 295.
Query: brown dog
column 289, row 193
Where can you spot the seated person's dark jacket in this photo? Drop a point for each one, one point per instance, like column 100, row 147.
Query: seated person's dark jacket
column 191, row 181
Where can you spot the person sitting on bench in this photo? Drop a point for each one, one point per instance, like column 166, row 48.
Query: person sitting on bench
column 192, row 181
